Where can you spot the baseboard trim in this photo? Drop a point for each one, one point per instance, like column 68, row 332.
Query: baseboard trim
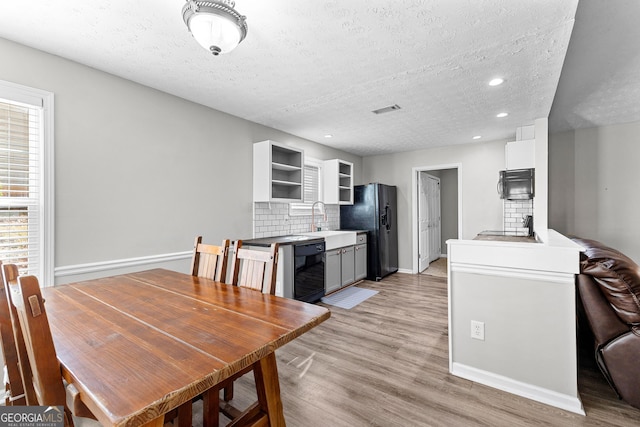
column 530, row 391
column 404, row 270
column 94, row 267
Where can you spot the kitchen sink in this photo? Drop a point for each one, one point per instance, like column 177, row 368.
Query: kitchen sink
column 335, row 238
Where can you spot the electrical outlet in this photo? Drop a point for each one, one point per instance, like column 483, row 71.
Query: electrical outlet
column 477, row 330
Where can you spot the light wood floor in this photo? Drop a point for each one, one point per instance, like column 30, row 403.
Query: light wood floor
column 385, row 363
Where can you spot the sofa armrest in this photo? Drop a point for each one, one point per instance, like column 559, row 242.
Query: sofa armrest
column 621, row 359
column 603, row 320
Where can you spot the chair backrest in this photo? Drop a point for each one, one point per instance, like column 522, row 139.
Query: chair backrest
column 255, row 269
column 14, row 391
column 45, row 368
column 210, row 261
column 20, row 392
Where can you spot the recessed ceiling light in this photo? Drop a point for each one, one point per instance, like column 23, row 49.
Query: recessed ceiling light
column 497, row 81
column 328, row 136
column 501, row 115
column 477, row 137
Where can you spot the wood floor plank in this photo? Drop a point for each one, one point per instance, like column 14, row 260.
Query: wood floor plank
column 385, row 363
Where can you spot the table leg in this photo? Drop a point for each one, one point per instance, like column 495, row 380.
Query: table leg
column 211, row 407
column 268, row 388
column 185, row 415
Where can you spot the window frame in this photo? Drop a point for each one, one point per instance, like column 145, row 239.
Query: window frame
column 304, row 208
column 44, row 100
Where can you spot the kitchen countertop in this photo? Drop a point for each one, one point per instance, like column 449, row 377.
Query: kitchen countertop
column 522, row 239
column 290, row 239
column 505, row 236
column 551, row 252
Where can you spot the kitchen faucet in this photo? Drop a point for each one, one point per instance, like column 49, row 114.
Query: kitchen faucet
column 313, row 215
column 527, row 221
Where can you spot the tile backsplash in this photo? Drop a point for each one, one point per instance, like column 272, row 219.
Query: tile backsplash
column 273, row 219
column 514, row 211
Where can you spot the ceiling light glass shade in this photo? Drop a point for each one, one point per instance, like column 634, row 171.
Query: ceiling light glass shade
column 215, row 25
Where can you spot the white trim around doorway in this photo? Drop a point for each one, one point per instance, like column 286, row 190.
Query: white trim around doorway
column 414, row 206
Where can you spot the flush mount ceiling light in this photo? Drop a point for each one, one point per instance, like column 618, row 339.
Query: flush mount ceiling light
column 215, row 25
column 496, row 82
column 501, row 115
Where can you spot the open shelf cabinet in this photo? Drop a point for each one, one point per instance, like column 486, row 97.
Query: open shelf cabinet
column 338, row 182
column 277, row 172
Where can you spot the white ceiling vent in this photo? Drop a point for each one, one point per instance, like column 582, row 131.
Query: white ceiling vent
column 388, row 109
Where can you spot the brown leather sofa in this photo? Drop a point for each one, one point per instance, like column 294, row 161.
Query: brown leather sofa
column 609, row 289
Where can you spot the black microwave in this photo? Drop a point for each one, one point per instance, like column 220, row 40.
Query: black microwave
column 517, row 184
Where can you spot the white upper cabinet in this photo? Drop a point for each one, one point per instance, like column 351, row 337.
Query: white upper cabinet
column 278, row 172
column 338, row 182
column 521, row 154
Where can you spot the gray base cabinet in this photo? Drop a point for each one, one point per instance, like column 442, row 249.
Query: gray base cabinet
column 332, row 270
column 361, row 261
column 343, row 266
column 348, row 269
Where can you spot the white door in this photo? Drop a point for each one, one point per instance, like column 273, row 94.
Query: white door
column 428, row 219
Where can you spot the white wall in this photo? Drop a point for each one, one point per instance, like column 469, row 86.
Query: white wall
column 593, row 185
column 541, row 199
column 449, row 206
column 139, row 172
column 481, row 207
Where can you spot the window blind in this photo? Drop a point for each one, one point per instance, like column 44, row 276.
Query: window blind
column 20, row 220
column 311, row 183
column 312, row 191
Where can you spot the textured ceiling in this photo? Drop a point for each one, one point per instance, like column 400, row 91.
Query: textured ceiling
column 600, row 81
column 321, row 67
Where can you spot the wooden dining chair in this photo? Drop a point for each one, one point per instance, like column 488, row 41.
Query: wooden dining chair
column 17, row 393
column 44, row 373
column 257, row 270
column 210, row 261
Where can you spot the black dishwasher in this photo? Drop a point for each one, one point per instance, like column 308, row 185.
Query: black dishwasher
column 308, row 274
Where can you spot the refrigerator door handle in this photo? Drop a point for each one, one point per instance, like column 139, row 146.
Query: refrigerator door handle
column 387, row 218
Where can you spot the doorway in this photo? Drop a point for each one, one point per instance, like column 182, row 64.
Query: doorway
column 424, row 241
column 429, row 218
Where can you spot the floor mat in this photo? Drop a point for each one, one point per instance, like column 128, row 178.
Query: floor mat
column 349, row 298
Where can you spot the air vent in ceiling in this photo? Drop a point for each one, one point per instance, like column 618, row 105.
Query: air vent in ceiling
column 388, row 109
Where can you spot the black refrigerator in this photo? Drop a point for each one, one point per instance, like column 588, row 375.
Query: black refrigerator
column 374, row 210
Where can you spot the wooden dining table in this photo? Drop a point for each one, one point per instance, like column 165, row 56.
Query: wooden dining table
column 136, row 346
